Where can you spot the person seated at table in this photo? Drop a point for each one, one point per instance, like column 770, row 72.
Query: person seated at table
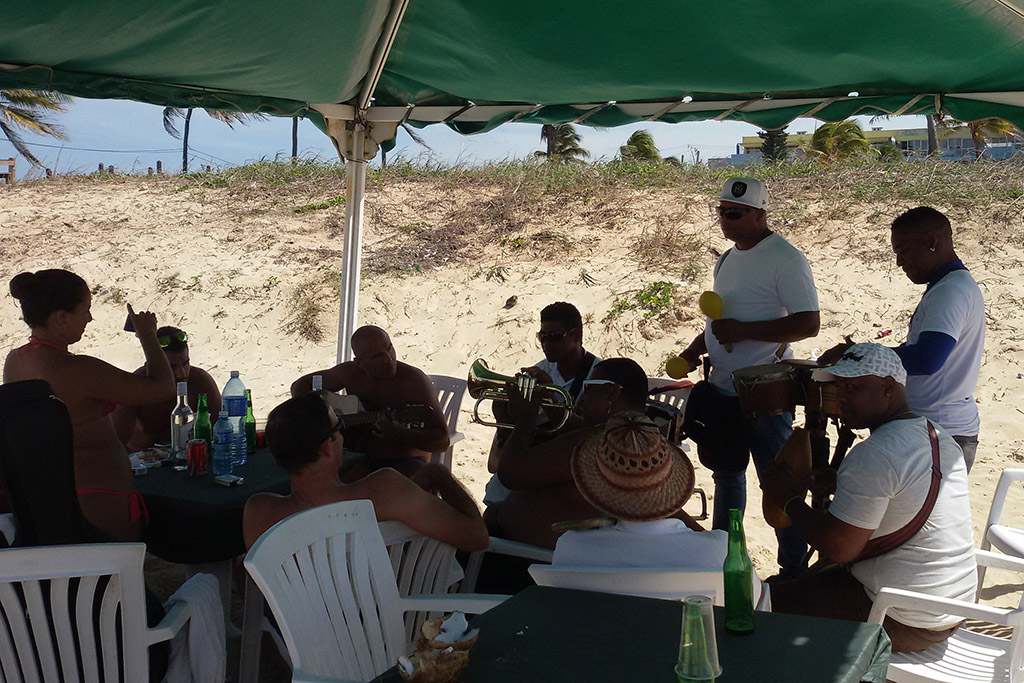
column 142, row 426
column 382, row 382
column 885, row 484
column 56, row 306
column 304, row 436
column 539, row 475
column 565, row 364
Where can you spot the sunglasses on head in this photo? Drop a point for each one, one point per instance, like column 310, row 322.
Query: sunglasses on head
column 595, row 382
column 731, row 213
column 166, row 339
column 552, row 336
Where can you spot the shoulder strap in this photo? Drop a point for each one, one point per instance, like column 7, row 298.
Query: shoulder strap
column 883, row 544
column 718, row 265
column 582, row 374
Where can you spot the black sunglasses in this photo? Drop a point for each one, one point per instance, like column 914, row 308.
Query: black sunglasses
column 731, row 213
column 553, row 336
column 165, row 339
column 339, row 426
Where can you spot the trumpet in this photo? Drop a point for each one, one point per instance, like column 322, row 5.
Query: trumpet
column 485, row 384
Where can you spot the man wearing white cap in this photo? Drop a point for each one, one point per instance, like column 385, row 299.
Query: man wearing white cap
column 890, row 523
column 768, row 301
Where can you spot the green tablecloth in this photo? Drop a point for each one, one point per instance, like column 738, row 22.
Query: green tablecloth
column 193, row 520
column 559, row 635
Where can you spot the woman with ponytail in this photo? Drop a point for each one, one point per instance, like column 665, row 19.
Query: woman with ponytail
column 56, row 306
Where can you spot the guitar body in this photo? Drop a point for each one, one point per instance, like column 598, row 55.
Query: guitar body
column 414, row 416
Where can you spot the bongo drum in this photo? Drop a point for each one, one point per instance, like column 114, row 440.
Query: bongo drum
column 767, row 389
column 818, row 397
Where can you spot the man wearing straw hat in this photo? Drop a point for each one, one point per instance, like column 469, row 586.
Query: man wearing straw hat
column 632, row 474
column 900, row 516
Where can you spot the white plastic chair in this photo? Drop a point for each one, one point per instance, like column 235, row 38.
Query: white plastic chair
column 1005, row 539
column 677, row 399
column 421, row 565
column 449, row 394
column 329, row 582
column 7, row 527
column 69, row 610
column 663, row 583
column 968, row 656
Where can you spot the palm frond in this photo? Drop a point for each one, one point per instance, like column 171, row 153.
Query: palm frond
column 232, row 117
column 40, row 99
column 170, row 114
column 15, row 139
column 415, row 136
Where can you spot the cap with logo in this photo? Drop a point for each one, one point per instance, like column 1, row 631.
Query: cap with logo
column 861, row 360
column 746, row 191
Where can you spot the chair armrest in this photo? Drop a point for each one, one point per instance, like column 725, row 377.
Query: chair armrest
column 172, row 622
column 502, row 546
column 1008, row 476
column 454, row 438
column 987, row 558
column 299, row 676
column 897, row 597
column 471, row 603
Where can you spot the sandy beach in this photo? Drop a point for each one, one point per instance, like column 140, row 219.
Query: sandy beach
column 250, row 274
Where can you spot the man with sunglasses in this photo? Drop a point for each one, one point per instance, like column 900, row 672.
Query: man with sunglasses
column 565, row 364
column 140, row 427
column 304, row 436
column 769, row 300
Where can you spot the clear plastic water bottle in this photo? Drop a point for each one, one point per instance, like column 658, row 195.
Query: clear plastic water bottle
column 236, row 404
column 223, row 443
column 181, row 424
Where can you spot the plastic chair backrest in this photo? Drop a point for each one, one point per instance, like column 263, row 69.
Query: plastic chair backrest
column 675, row 397
column 450, row 391
column 665, row 584
column 37, row 470
column 421, row 564
column 329, row 582
column 70, row 610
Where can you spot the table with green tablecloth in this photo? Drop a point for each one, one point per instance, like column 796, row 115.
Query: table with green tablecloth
column 195, row 521
column 558, row 635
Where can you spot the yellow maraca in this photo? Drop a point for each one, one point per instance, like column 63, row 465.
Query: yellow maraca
column 710, row 304
column 677, row 367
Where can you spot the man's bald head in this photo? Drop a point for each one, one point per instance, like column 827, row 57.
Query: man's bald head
column 369, row 334
column 373, row 352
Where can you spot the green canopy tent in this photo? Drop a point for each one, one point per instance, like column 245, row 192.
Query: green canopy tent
column 359, row 68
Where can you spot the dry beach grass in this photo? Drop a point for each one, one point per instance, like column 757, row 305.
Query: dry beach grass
column 247, row 261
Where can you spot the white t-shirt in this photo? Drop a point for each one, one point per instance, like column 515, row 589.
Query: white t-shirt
column 952, row 306
column 638, row 545
column 770, row 280
column 882, row 485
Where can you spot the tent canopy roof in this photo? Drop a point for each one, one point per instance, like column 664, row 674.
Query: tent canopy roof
column 475, row 65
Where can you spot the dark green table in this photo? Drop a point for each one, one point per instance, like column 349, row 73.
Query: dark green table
column 559, row 635
column 195, row 521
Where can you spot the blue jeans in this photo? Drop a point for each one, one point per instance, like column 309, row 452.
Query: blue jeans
column 766, row 436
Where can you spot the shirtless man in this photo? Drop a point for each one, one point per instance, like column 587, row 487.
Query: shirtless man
column 304, row 435
column 540, row 475
column 140, row 427
column 380, row 381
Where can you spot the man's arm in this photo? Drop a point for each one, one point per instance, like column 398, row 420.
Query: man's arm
column 697, row 348
column 523, row 465
column 433, row 437
column 833, row 538
column 790, row 328
column 453, row 518
column 928, row 355
column 335, row 379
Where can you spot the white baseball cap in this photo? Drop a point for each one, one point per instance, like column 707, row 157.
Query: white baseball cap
column 861, row 360
column 746, row 191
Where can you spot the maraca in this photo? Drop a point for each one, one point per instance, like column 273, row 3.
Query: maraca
column 710, row 304
column 677, row 367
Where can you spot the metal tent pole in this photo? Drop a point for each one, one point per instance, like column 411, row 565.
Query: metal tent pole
column 355, row 176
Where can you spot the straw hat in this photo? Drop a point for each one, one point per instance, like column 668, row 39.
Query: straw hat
column 631, row 472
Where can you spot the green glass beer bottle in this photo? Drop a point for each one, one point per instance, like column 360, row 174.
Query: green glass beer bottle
column 203, row 429
column 738, row 572
column 250, row 424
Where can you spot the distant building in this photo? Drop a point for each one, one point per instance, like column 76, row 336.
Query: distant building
column 954, row 145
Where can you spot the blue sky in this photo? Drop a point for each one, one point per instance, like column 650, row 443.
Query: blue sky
column 131, row 137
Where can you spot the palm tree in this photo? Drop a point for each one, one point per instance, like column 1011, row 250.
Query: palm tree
column 562, row 143
column 640, row 147
column 26, row 110
column 228, row 117
column 982, row 131
column 840, row 139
